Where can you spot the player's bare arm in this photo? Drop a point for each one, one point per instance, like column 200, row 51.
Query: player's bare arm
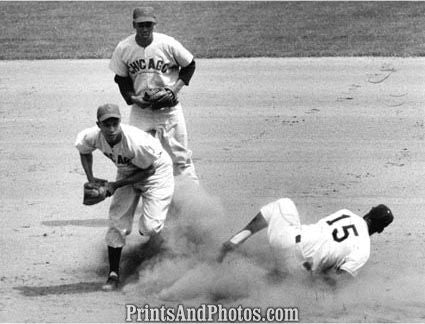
column 87, row 163
column 185, row 75
column 136, row 177
column 177, row 86
column 255, row 225
column 125, row 85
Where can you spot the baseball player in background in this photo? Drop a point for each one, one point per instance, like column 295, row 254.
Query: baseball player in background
column 149, row 60
column 338, row 243
column 144, row 170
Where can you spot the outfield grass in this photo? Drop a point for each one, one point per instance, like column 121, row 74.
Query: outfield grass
column 50, row 30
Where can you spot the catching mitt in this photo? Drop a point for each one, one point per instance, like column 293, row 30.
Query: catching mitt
column 95, row 192
column 160, row 98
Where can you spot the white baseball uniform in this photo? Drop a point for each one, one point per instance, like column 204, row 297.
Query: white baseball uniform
column 157, row 65
column 339, row 241
column 136, row 150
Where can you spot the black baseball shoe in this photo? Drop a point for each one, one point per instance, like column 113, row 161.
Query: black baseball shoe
column 112, row 283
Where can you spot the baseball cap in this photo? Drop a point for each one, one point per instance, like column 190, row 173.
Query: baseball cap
column 142, row 14
column 379, row 217
column 108, row 111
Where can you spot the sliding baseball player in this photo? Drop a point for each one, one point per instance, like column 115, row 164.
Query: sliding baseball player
column 339, row 242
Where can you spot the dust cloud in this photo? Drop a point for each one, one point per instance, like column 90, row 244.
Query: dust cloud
column 184, row 270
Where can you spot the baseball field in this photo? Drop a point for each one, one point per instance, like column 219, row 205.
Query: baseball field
column 329, row 127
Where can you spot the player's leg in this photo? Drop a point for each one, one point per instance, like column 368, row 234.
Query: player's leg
column 169, row 126
column 123, row 205
column 156, row 202
column 283, row 223
column 284, row 234
column 280, row 217
column 173, row 136
column 142, row 118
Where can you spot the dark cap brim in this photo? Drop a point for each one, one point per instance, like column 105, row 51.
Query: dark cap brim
column 107, row 116
column 144, row 19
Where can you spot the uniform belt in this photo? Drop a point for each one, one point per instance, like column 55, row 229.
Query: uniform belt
column 298, row 238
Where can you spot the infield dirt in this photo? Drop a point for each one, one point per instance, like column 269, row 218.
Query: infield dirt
column 329, row 133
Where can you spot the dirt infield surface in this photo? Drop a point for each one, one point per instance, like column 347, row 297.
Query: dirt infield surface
column 330, row 133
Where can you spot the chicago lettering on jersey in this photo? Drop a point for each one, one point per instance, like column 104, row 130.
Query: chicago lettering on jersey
column 147, row 64
column 121, row 160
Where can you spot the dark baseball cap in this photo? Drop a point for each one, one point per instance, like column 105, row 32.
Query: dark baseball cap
column 108, row 111
column 142, row 14
column 379, row 217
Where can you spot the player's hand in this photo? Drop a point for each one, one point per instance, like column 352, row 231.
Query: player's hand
column 225, row 248
column 138, row 100
column 97, row 180
column 110, row 188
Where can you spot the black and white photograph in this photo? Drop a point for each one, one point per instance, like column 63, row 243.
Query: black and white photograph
column 212, row 161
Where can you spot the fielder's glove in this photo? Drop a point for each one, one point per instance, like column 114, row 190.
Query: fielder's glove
column 95, row 192
column 139, row 100
column 160, row 98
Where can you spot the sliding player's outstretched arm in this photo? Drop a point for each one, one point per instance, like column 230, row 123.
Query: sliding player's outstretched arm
column 255, row 225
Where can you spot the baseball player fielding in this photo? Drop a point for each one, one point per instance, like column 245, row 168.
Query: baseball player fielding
column 144, row 170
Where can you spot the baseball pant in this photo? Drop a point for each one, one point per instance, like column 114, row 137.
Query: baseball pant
column 284, row 233
column 169, row 127
column 156, row 199
column 283, row 223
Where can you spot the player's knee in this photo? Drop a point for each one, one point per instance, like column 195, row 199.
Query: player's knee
column 151, row 228
column 286, row 204
column 115, row 238
column 283, row 207
column 187, row 171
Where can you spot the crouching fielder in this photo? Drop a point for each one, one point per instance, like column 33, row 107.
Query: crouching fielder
column 340, row 241
column 144, row 170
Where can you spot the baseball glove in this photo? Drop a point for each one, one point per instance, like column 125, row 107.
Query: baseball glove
column 160, row 98
column 95, row 192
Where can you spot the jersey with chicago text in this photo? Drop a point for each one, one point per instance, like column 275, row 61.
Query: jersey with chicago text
column 156, row 65
column 136, row 150
column 340, row 241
